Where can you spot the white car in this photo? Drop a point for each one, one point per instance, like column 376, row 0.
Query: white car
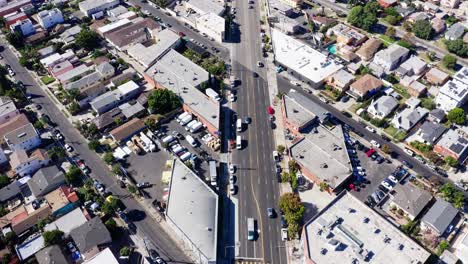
column 232, row 98
column 387, row 185
column 284, row 234
column 276, row 156
column 68, row 148
column 232, row 168
column 295, row 83
column 232, row 179
column 370, row 129
column 259, row 64
column 393, row 179
column 11, row 72
column 375, row 143
column 232, row 188
column 59, row 136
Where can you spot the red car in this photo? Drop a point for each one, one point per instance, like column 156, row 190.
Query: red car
column 370, row 152
column 181, row 34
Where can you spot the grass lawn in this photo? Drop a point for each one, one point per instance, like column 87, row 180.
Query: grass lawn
column 397, row 135
column 391, row 130
column 47, row 79
column 401, row 90
column 445, row 69
column 387, row 41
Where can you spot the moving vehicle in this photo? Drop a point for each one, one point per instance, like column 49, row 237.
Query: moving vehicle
column 143, row 185
column 213, row 172
column 295, row 83
column 250, row 229
column 193, row 142
column 239, row 125
column 238, row 142
column 271, row 212
column 212, row 94
column 371, row 129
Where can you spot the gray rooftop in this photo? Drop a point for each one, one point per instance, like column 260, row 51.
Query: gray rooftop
column 51, row 255
column 414, row 64
column 347, row 230
column 301, row 110
column 438, row 113
column 431, row 132
column 108, row 118
column 45, row 180
column 68, row 222
column 208, row 6
column 440, row 216
column 105, row 99
column 456, row 141
column 408, row 118
column 10, row 191
column 324, row 154
column 83, row 68
column 383, row 106
column 69, row 34
column 393, row 53
column 192, row 206
column 91, row 4
column 21, row 134
column 343, row 77
column 455, row 31
column 90, row 234
column 6, row 107
column 131, row 109
column 411, row 198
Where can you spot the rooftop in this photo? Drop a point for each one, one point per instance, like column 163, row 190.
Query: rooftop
column 212, row 21
column 393, row 53
column 131, row 109
column 13, row 124
column 67, row 76
column 366, row 83
column 456, row 141
column 92, row 4
column 105, row 99
column 301, row 110
column 68, row 222
column 349, row 229
column 431, row 132
column 30, row 247
column 207, row 6
column 411, row 198
column 6, row 107
column 10, row 191
column 21, row 134
column 104, row 256
column 108, row 118
column 56, row 199
column 133, row 33
column 324, row 154
column 44, row 179
column 434, row 72
column 90, row 234
column 193, row 208
column 440, row 216
column 301, row 58
column 127, row 130
column 409, row 117
column 51, row 255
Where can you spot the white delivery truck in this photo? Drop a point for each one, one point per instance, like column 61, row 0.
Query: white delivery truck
column 168, row 139
column 185, row 156
column 212, row 94
column 213, row 173
column 238, row 142
column 196, row 127
column 182, row 116
column 191, row 140
column 177, row 149
column 239, row 125
column 189, row 125
column 186, row 120
column 250, row 229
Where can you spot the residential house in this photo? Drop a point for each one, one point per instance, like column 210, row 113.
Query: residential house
column 10, row 192
column 417, row 16
column 382, row 107
column 408, row 118
column 416, row 89
column 46, row 52
column 13, row 6
column 111, row 99
column 404, row 11
column 387, row 3
column 411, row 199
column 117, row 11
column 90, row 237
column 429, row 132
column 101, row 72
column 74, row 74
column 91, row 7
column 213, row 25
column 439, row 217
column 33, row 213
column 320, row 20
column 412, row 102
column 366, row 86
column 8, row 109
column 391, row 57
column 438, row 25
column 436, row 116
column 49, row 18
column 293, row 3
column 138, row 31
column 68, row 36
column 377, row 70
column 50, row 255
column 61, row 68
column 108, row 119
column 340, row 80
column 454, row 32
column 431, row 8
column 127, row 130
column 23, row 165
column 436, row 76
column 60, row 202
column 57, row 58
column 13, row 124
column 105, row 256
column 46, row 180
column 11, row 19
column 132, row 109
column 450, row 3
column 347, row 35
column 25, row 27
column 68, row 222
column 25, row 138
column 453, row 143
column 29, row 247
column 368, row 49
column 455, row 92
column 413, row 66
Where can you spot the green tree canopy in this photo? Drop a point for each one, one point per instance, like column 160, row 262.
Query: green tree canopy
column 451, row 161
column 457, row 116
column 362, row 17
column 73, row 175
column 4, row 181
column 449, row 61
column 423, row 29
column 162, row 101
column 52, row 237
column 458, row 47
column 390, row 32
column 87, row 39
column 56, row 153
column 94, row 144
column 15, row 39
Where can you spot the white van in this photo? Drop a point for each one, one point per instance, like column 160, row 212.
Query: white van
column 190, row 125
column 239, row 125
column 191, row 141
column 186, row 120
column 168, row 139
column 182, row 116
column 238, row 142
column 185, row 156
column 196, row 127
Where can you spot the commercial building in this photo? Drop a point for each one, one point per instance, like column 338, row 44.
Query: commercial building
column 347, row 229
column 212, row 25
column 13, row 6
column 293, row 3
column 453, row 143
column 323, row 157
column 192, row 212
column 139, row 31
column 455, row 92
column 24, row 27
column 91, row 7
column 206, row 6
column 285, row 24
column 391, row 57
column 50, row 18
column 305, row 63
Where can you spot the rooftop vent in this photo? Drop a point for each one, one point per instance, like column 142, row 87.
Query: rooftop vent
column 22, row 134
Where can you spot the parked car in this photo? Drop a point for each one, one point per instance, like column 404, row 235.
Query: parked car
column 68, row 148
column 143, row 185
column 393, row 179
column 371, row 129
column 232, row 179
column 284, row 234
column 276, row 156
column 375, row 143
column 407, row 164
column 232, row 168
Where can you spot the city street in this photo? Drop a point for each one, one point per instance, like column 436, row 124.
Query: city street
column 257, row 183
column 168, row 249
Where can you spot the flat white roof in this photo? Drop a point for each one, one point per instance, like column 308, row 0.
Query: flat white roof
column 67, row 222
column 30, row 247
column 105, row 256
column 112, row 26
column 193, row 207
column 347, row 229
column 207, row 6
column 301, row 58
column 128, row 87
column 212, row 21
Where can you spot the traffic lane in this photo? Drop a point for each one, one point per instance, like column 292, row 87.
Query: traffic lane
column 180, row 27
column 92, row 160
column 284, row 86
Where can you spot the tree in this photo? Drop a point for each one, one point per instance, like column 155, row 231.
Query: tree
column 290, row 204
column 280, row 149
column 431, row 55
column 390, row 32
column 87, row 39
column 428, row 103
column 452, row 162
column 116, row 169
column 151, row 123
column 132, row 189
column 74, row 108
column 4, row 181
column 392, row 20
column 10, row 238
column 109, row 158
column 15, row 39
column 407, row 26
column 386, row 148
column 162, row 101
column 125, row 251
column 458, row 47
column 362, row 17
column 423, row 29
column 73, row 175
column 449, row 61
column 56, row 153
column 457, row 116
column 443, row 245
column 94, row 144
column 285, row 177
column 111, row 206
column 52, row 237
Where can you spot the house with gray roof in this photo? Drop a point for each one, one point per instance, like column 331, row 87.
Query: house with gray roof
column 453, row 143
column 46, row 180
column 454, row 32
column 412, row 66
column 411, row 199
column 25, row 138
column 408, row 118
column 51, row 255
column 437, row 115
column 10, row 191
column 341, row 80
column 106, row 120
column 105, row 102
column 439, row 217
column 90, row 237
column 382, row 107
column 391, row 57
column 430, row 132
column 132, row 109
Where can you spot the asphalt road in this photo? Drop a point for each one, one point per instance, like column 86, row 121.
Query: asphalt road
column 168, row 249
column 177, row 26
column 257, row 183
column 285, row 85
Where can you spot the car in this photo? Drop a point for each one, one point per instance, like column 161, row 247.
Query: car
column 122, row 184
column 375, row 143
column 344, row 99
column 380, row 194
column 276, row 156
column 370, row 129
column 387, row 185
column 232, row 189
column 255, row 75
column 38, row 107
column 247, row 120
column 284, row 234
column 271, row 212
column 124, row 216
column 100, row 188
column 380, row 159
column 374, row 156
column 143, row 185
column 365, row 149
column 278, row 168
column 295, row 83
column 59, row 136
column 407, row 164
column 392, row 179
column 71, row 247
column 68, row 148
column 159, row 260
column 386, row 138
column 232, row 168
column 153, row 254
column 370, row 152
column 250, row 7
column 259, row 64
column 371, row 201
column 232, row 179
column 346, row 113
column 323, row 99
column 283, row 222
column 11, row 72
column 232, row 97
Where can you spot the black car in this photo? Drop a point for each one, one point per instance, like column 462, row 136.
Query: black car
column 122, row 184
column 347, row 114
column 365, row 149
column 247, row 120
column 380, row 159
column 284, row 224
column 386, row 138
column 383, row 189
column 153, row 254
column 370, row 201
column 255, row 75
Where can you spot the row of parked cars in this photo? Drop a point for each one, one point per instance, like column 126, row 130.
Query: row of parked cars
column 386, row 186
